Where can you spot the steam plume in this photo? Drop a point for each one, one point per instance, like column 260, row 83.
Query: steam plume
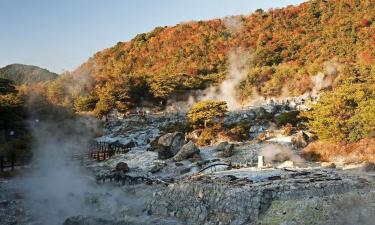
column 280, row 153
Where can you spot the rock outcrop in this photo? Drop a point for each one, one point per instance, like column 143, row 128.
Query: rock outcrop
column 169, row 144
column 300, row 140
column 228, row 150
column 186, row 151
column 122, row 167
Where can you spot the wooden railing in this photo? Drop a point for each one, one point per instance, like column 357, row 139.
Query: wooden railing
column 104, row 150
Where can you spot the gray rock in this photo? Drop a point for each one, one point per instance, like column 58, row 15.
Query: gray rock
column 158, row 166
column 228, row 150
column 261, row 113
column 369, row 167
column 81, row 220
column 123, row 167
column 220, row 147
column 301, row 140
column 187, row 151
column 170, row 144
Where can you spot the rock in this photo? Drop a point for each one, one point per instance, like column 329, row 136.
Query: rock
column 255, row 130
column 261, row 113
column 187, row 151
column 272, row 109
column 123, row 167
column 170, row 144
column 300, row 140
column 81, row 220
column 220, row 147
column 228, row 150
column 4, row 203
column 185, row 170
column 328, row 165
column 251, row 115
column 286, row 164
column 369, row 167
column 157, row 167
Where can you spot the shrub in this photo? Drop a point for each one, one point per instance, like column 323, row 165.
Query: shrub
column 239, row 132
column 361, row 151
column 85, row 103
column 346, row 114
column 205, row 112
column 285, row 118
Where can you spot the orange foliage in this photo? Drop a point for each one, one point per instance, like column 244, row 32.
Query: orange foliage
column 357, row 152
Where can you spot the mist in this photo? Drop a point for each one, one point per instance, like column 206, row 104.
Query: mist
column 57, row 186
column 324, row 80
column 279, row 153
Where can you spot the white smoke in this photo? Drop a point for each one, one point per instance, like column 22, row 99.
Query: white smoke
column 324, row 80
column 279, row 153
column 233, row 23
column 239, row 64
column 57, row 186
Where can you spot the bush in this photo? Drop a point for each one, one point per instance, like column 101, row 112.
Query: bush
column 345, row 114
column 239, row 132
column 204, row 113
column 358, row 152
column 285, row 118
column 85, row 103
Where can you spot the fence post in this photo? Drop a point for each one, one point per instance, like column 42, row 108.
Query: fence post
column 1, row 163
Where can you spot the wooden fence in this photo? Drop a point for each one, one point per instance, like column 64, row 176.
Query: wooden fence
column 104, row 150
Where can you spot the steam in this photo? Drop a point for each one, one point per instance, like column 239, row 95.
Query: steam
column 322, row 81
column 58, row 187
column 54, row 188
column 233, row 23
column 279, row 153
column 238, row 69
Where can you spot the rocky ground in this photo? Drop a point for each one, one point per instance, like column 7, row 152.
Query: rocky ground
column 166, row 179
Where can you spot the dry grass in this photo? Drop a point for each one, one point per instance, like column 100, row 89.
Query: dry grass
column 362, row 151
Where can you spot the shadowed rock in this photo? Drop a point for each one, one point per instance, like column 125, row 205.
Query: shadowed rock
column 170, row 144
column 123, row 167
column 187, row 151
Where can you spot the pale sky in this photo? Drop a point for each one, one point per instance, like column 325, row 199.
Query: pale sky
column 62, row 34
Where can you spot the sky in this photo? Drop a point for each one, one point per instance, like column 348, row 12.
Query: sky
column 60, row 35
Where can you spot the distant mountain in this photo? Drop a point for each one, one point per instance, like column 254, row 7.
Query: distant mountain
column 26, row 74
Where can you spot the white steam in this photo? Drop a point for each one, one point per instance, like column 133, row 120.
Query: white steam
column 57, row 186
column 239, row 64
column 279, row 153
column 324, row 80
column 233, row 23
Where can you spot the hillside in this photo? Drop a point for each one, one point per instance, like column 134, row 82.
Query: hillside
column 25, row 74
column 289, row 51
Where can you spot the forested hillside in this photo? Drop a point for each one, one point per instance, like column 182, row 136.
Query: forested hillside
column 288, row 47
column 25, row 74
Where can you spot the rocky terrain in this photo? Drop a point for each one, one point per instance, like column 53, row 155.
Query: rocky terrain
column 165, row 178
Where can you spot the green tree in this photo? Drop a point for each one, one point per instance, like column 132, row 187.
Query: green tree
column 345, row 114
column 205, row 112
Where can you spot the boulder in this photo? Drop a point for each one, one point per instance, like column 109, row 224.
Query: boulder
column 122, row 167
column 369, row 167
column 261, row 113
column 228, row 150
column 286, row 164
column 220, row 147
column 186, row 151
column 169, row 144
column 157, row 167
column 301, row 140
